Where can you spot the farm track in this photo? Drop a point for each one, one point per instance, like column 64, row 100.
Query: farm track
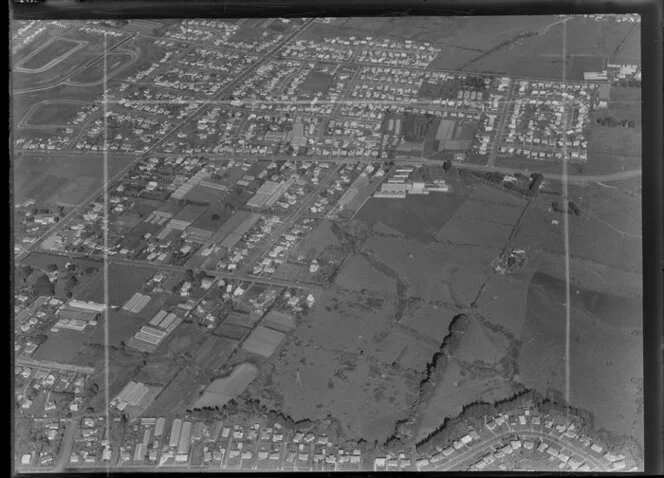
column 402, row 284
column 508, row 244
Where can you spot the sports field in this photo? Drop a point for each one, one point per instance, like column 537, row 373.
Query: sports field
column 50, row 54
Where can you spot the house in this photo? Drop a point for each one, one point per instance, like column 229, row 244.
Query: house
column 596, row 448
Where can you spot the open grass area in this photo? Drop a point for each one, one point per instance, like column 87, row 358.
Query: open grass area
column 606, row 372
column 53, row 113
column 613, row 150
column 121, row 327
column 94, row 73
column 123, row 282
column 456, row 390
column 66, row 180
column 357, row 274
column 366, row 400
column 467, row 231
column 418, row 217
column 120, row 368
column 62, row 346
column 538, row 231
column 540, row 53
column 624, row 104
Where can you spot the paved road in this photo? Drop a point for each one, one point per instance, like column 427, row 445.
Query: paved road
column 282, row 228
column 91, row 198
column 573, row 178
column 483, row 447
column 66, row 446
column 64, row 80
column 501, row 126
column 47, row 364
column 75, row 211
column 229, row 87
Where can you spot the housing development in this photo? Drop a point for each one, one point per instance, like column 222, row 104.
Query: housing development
column 327, row 244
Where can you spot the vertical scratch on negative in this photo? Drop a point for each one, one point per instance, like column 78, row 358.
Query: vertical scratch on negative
column 105, row 231
column 566, row 225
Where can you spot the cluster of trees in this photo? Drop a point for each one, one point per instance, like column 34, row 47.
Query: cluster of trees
column 629, row 83
column 245, row 408
column 439, row 361
column 21, row 274
column 452, row 428
column 450, row 88
column 536, row 182
column 43, row 286
column 70, row 284
column 612, row 122
column 403, row 432
column 572, row 208
column 417, row 126
column 190, row 202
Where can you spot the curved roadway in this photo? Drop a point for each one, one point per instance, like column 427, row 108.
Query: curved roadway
column 483, row 447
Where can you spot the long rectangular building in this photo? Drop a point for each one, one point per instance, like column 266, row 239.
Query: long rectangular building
column 160, row 334
column 88, row 305
column 176, row 428
column 159, row 316
column 168, row 320
column 185, row 436
column 133, row 301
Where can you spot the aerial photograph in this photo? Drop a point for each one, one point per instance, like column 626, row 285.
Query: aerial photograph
column 327, row 244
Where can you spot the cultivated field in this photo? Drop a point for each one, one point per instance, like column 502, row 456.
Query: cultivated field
column 178, row 395
column 222, row 390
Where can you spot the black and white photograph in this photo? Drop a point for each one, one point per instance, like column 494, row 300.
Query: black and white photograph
column 306, row 243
